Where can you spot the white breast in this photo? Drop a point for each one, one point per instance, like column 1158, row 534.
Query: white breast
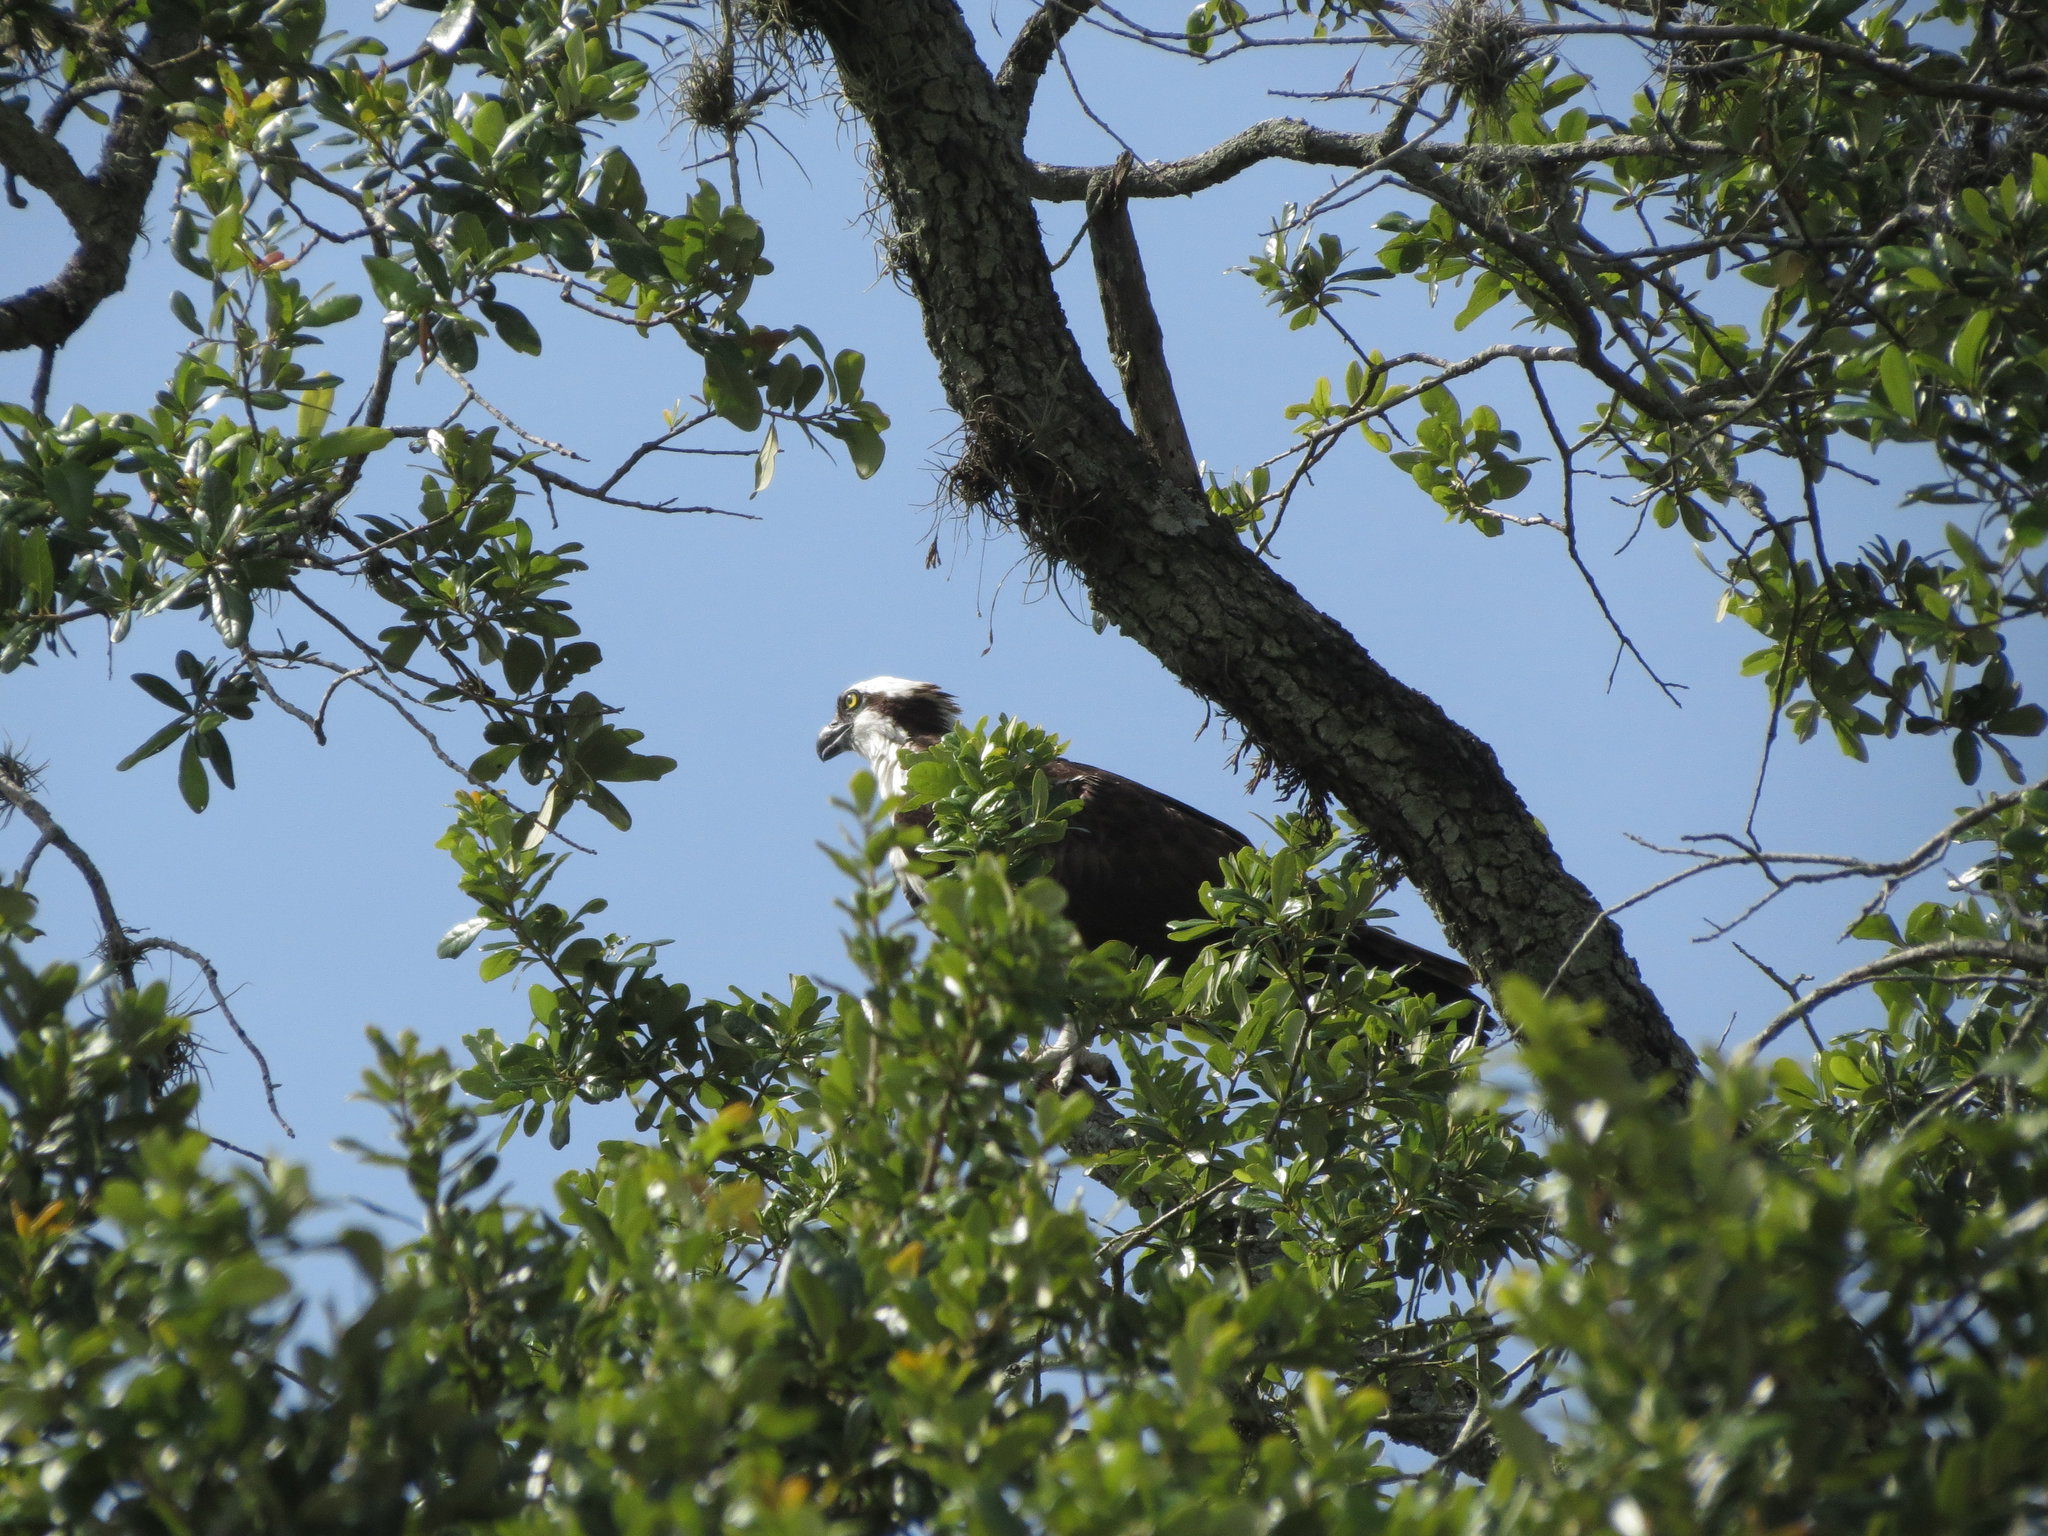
column 884, row 759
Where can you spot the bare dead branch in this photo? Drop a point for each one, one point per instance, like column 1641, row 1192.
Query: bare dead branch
column 122, row 950
column 2027, row 957
column 255, row 1157
column 597, row 493
column 1821, row 868
column 2032, row 103
column 315, row 722
column 1290, row 138
column 469, row 390
column 1571, row 535
column 220, row 1001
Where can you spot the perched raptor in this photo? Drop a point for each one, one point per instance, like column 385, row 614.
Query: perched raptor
column 1133, row 860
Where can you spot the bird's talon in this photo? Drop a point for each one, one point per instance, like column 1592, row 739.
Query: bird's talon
column 1068, row 1062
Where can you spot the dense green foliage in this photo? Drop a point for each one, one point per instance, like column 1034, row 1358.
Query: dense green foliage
column 1330, row 1258
column 857, row 1292
column 438, row 195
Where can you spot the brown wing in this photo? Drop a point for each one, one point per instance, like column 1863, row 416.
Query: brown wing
column 1133, row 860
column 1424, row 969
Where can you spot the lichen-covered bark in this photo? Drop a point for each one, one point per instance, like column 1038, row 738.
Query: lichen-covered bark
column 1135, row 343
column 1158, row 564
column 104, row 209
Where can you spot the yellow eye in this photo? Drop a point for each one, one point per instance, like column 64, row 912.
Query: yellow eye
column 850, row 702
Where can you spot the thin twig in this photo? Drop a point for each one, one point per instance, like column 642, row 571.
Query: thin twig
column 228, row 1146
column 316, row 723
column 1893, row 873
column 481, row 403
column 1789, row 987
column 1571, row 536
column 1123, row 1241
column 1086, row 110
column 2030, row 957
column 220, row 1000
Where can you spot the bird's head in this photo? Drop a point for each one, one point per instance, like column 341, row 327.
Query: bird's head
column 880, row 717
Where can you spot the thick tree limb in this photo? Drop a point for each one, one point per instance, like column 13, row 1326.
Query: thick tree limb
column 1135, row 342
column 104, row 209
column 1037, row 41
column 1289, row 138
column 1158, row 564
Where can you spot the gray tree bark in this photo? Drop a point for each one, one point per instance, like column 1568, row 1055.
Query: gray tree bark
column 105, row 208
column 1084, row 491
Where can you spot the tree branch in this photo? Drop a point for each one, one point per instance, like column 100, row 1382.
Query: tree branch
column 105, row 209
column 220, row 1001
column 1135, row 342
column 1157, row 563
column 16, row 790
column 2031, row 102
column 121, row 951
column 1037, row 40
column 1831, row 867
column 2026, row 957
column 1289, row 138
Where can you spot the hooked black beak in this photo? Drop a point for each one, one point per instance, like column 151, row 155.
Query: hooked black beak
column 834, row 739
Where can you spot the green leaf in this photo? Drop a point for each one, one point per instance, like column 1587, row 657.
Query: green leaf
column 230, row 608
column 397, row 287
column 38, row 572
column 1968, row 350
column 460, row 937
column 331, row 311
column 17, row 910
column 1969, row 757
column 181, row 307
column 223, row 249
column 764, row 463
column 864, row 446
column 847, row 369
column 213, row 746
column 1520, row 1439
column 343, row 444
column 729, row 385
column 244, row 1285
column 446, row 34
column 523, row 662
column 487, row 124
column 156, row 743
column 315, row 406
column 609, row 806
column 1895, row 371
column 512, row 326
column 192, row 776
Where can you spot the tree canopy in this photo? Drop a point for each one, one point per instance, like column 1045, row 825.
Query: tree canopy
column 1345, row 1259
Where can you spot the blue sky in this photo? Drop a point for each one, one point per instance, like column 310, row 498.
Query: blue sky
column 315, row 886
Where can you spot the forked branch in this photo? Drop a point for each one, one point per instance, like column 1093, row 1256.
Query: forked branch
column 117, row 943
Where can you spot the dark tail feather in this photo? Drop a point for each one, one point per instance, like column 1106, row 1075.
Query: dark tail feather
column 1422, row 970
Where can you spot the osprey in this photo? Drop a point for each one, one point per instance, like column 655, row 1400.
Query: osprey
column 1133, row 860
